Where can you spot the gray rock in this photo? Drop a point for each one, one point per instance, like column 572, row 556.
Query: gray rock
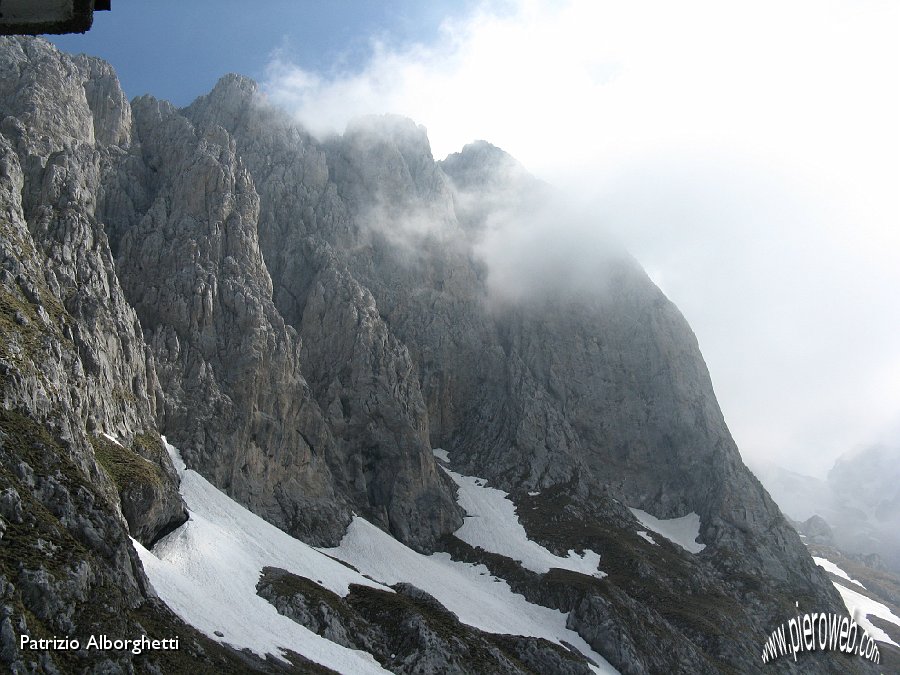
column 817, row 531
column 363, row 378
column 234, row 398
column 11, row 505
column 409, row 631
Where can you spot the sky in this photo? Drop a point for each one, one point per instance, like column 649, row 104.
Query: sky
column 177, row 50
column 747, row 154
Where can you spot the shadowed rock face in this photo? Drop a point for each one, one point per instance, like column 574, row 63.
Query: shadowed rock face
column 307, row 319
column 362, row 376
column 229, row 368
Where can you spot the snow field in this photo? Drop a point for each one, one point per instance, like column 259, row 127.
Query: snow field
column 469, row 591
column 207, row 571
column 861, row 607
column 492, row 524
column 682, row 531
column 834, row 569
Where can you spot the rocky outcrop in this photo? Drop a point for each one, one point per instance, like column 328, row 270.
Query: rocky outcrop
column 363, row 377
column 366, row 383
column 817, row 531
column 408, row 631
column 75, row 351
column 75, row 373
column 234, row 397
column 82, row 467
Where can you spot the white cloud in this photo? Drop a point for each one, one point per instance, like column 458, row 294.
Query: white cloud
column 747, row 153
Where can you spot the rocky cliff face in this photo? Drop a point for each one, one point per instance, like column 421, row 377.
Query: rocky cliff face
column 81, row 463
column 306, row 320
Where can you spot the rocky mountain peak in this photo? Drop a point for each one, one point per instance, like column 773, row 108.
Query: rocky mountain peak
column 391, row 157
column 44, row 90
column 396, row 131
column 232, row 85
column 481, row 164
column 229, row 99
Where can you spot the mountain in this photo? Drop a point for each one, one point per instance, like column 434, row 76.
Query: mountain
column 871, row 593
column 859, row 500
column 319, row 329
column 799, row 496
column 849, row 523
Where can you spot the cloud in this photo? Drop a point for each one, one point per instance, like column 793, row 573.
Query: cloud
column 545, row 251
column 748, row 154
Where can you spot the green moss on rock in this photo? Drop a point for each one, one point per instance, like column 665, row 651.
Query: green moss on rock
column 127, row 468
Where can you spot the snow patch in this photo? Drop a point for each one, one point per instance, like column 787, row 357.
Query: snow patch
column 492, row 524
column 682, row 531
column 207, row 571
column 469, row 591
column 533, row 494
column 175, row 456
column 112, row 438
column 835, row 570
column 861, row 607
column 643, row 535
column 442, row 455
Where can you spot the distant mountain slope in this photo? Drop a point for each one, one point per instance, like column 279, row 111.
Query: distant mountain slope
column 306, row 319
column 799, row 496
column 860, row 500
column 871, row 593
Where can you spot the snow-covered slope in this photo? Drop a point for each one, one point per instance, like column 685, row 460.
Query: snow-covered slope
column 467, row 590
column 862, row 607
column 207, row 572
column 682, row 531
column 829, row 566
column 492, row 524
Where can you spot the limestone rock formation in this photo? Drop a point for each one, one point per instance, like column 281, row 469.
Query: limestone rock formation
column 362, row 376
column 75, row 374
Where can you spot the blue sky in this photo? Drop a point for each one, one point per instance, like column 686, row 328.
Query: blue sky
column 747, row 154
column 178, row 49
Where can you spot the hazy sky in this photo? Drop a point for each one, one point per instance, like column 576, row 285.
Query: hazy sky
column 748, row 154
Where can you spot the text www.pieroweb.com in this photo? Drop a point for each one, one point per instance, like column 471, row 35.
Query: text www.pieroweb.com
column 820, row 632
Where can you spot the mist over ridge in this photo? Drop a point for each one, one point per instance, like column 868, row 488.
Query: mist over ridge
column 755, row 186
